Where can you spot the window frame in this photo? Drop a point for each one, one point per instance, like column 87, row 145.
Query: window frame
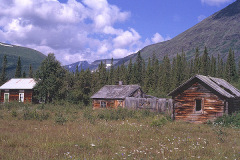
column 103, row 104
column 202, row 105
column 19, row 97
column 8, row 97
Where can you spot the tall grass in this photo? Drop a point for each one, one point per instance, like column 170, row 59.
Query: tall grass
column 115, row 134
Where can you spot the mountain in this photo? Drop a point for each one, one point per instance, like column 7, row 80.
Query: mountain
column 72, row 67
column 92, row 66
column 219, row 32
column 28, row 56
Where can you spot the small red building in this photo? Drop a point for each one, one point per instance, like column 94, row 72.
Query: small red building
column 113, row 96
column 18, row 90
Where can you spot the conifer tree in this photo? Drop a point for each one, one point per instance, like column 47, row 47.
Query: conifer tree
column 76, row 70
column 166, row 77
column 130, row 72
column 50, row 77
column 196, row 62
column 3, row 77
column 148, row 80
column 230, row 70
column 213, row 66
column 155, row 72
column 24, row 74
column 102, row 74
column 110, row 77
column 174, row 75
column 123, row 74
column 205, row 62
column 18, row 72
column 30, row 75
column 139, row 68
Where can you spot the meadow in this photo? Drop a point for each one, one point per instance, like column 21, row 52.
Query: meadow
column 65, row 131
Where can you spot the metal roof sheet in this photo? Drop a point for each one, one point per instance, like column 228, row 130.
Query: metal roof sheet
column 19, row 83
column 115, row 91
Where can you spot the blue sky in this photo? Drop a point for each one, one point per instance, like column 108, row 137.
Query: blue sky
column 77, row 30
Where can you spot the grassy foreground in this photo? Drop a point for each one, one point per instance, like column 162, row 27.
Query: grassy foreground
column 86, row 136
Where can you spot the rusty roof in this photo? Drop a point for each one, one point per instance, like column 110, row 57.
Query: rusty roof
column 115, row 91
column 19, row 83
column 217, row 84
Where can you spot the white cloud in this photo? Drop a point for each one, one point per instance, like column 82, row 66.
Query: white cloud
column 127, row 38
column 201, row 17
column 73, row 30
column 215, row 2
column 119, row 53
column 159, row 38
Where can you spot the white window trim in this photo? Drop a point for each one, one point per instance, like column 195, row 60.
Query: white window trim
column 8, row 97
column 19, row 97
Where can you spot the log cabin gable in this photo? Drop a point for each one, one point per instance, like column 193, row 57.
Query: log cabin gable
column 203, row 98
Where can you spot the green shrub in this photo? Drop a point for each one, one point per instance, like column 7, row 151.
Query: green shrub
column 229, row 120
column 88, row 114
column 159, row 121
column 14, row 113
column 34, row 115
column 60, row 118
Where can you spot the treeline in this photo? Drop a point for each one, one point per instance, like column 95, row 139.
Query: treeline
column 18, row 72
column 156, row 78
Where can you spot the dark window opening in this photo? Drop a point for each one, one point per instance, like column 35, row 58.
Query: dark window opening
column 198, row 105
column 103, row 104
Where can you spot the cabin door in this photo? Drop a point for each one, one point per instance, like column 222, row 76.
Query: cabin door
column 21, row 97
column 6, row 97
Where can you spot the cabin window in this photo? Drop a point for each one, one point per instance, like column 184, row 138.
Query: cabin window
column 6, row 97
column 21, row 97
column 198, row 104
column 103, row 104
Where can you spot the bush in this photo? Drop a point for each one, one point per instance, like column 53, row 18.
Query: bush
column 15, row 104
column 34, row 115
column 159, row 121
column 60, row 119
column 88, row 114
column 229, row 120
column 14, row 113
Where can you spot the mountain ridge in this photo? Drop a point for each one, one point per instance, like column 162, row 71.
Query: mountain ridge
column 28, row 56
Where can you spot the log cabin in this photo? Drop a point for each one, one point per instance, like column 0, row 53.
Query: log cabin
column 18, row 90
column 113, row 96
column 203, row 98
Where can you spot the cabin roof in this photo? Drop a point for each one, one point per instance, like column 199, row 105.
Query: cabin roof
column 115, row 91
column 219, row 85
column 19, row 83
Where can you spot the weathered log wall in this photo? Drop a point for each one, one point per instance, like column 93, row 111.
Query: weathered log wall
column 14, row 95
column 185, row 104
column 109, row 103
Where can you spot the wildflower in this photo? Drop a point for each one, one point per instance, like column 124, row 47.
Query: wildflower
column 93, row 145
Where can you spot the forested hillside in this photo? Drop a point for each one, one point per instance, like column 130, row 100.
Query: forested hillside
column 28, row 56
column 156, row 78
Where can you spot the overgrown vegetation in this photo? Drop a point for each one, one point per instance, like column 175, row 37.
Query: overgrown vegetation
column 229, row 120
column 69, row 133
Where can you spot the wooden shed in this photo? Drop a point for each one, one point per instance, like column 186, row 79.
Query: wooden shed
column 113, row 96
column 18, row 90
column 204, row 98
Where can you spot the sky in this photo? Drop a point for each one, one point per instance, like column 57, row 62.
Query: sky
column 78, row 30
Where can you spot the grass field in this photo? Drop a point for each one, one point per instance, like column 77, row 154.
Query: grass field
column 64, row 132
